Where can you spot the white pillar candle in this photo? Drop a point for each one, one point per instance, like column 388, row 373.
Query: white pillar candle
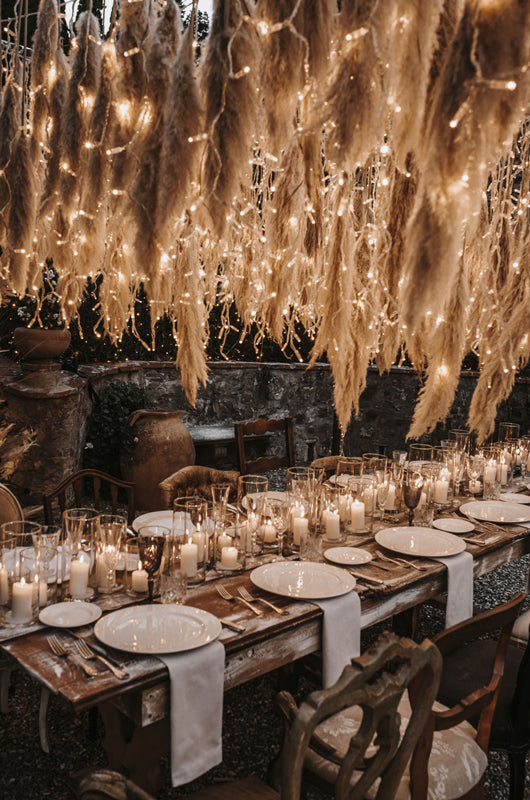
column 344, row 507
column 391, row 499
column 104, row 579
column 300, row 527
column 199, row 538
column 331, row 524
column 4, row 586
column 43, row 593
column 79, row 569
column 441, row 489
column 490, row 473
column 188, row 556
column 269, row 533
column 139, row 579
column 357, row 515
column 502, row 473
column 229, row 557
column 22, row 601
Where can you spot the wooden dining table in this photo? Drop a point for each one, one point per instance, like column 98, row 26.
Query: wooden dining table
column 135, row 710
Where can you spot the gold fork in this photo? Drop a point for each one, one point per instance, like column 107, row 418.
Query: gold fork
column 251, row 599
column 59, row 650
column 225, row 594
column 86, row 652
column 401, row 562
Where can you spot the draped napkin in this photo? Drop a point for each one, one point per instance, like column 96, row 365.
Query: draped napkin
column 459, row 587
column 196, row 710
column 341, row 634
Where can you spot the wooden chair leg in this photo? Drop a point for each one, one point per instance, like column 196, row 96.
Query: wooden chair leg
column 517, row 775
column 43, row 724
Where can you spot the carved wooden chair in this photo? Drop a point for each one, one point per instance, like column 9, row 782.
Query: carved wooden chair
column 244, row 431
column 196, row 480
column 77, row 482
column 374, row 683
column 510, row 727
column 450, row 759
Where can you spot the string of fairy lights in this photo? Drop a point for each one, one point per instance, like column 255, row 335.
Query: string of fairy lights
column 362, row 173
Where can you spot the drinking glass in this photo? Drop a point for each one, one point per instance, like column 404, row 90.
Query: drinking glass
column 173, row 586
column 274, row 524
column 347, row 467
column 508, row 430
column 195, row 549
column 419, row 455
column 412, row 486
column 112, row 532
column 382, row 489
column 374, row 461
column 81, row 526
column 151, row 541
column 459, row 439
column 251, row 495
column 220, row 493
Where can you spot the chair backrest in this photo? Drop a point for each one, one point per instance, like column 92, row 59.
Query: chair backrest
column 77, row 482
column 326, row 465
column 482, row 700
column 196, row 480
column 374, row 682
column 244, row 431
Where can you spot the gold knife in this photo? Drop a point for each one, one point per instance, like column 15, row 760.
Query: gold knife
column 234, row 625
column 367, row 578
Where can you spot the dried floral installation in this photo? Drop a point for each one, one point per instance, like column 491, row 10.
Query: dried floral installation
column 360, row 168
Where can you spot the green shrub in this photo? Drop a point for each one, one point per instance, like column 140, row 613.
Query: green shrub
column 107, row 433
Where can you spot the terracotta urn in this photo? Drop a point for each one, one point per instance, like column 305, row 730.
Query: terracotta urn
column 161, row 445
column 40, row 348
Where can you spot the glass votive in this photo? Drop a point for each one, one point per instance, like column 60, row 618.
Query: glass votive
column 39, row 565
column 273, row 525
column 173, row 587
column 491, row 483
column 330, row 520
column 134, row 575
column 26, row 592
column 112, row 531
column 231, row 547
column 81, row 526
column 367, row 495
column 442, row 485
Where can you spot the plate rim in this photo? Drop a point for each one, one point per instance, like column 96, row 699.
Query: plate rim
column 163, row 609
column 95, row 610
column 346, row 577
column 515, row 502
column 464, row 522
column 136, row 527
column 348, row 547
column 520, row 507
column 443, row 534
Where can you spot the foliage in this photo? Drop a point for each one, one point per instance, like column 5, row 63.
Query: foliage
column 107, row 432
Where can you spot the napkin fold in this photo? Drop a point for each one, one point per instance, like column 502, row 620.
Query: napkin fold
column 196, row 710
column 459, row 587
column 341, row 634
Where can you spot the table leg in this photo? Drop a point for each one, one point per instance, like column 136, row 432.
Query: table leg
column 406, row 622
column 43, row 723
column 133, row 750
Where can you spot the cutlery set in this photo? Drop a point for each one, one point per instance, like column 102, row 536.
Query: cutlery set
column 247, row 599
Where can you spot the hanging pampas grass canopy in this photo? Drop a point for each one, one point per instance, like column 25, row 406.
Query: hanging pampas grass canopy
column 361, row 169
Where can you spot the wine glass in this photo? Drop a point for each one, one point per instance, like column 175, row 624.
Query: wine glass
column 150, row 548
column 251, row 495
column 382, row 489
column 412, row 486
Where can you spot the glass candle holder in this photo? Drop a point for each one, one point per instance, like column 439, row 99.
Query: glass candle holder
column 333, row 532
column 230, row 548
column 111, row 533
column 135, row 577
column 81, row 526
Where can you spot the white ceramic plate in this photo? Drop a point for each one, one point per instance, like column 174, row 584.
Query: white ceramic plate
column 157, row 628
column 515, row 497
column 453, row 525
column 496, row 511
column 347, row 555
column 70, row 615
column 307, row 580
column 164, row 518
column 426, row 542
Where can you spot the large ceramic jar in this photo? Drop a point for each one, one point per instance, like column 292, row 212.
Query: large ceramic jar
column 161, row 444
column 40, row 348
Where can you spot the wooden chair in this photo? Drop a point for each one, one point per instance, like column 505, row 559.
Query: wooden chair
column 196, row 480
column 244, row 431
column 510, row 727
column 327, row 465
column 450, row 758
column 77, row 482
column 374, row 683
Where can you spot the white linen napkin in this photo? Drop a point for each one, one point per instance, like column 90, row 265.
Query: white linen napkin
column 341, row 634
column 459, row 587
column 196, row 710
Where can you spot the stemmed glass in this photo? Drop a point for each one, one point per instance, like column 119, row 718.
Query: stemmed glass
column 412, row 486
column 251, row 495
column 150, row 548
column 382, row 489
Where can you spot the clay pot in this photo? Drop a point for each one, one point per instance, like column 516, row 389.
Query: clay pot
column 39, row 347
column 162, row 445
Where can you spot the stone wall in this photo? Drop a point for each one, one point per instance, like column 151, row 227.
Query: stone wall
column 57, row 407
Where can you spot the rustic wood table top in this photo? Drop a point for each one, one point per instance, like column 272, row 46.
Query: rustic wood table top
column 269, row 641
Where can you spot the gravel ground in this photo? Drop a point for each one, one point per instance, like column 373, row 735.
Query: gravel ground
column 252, row 728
